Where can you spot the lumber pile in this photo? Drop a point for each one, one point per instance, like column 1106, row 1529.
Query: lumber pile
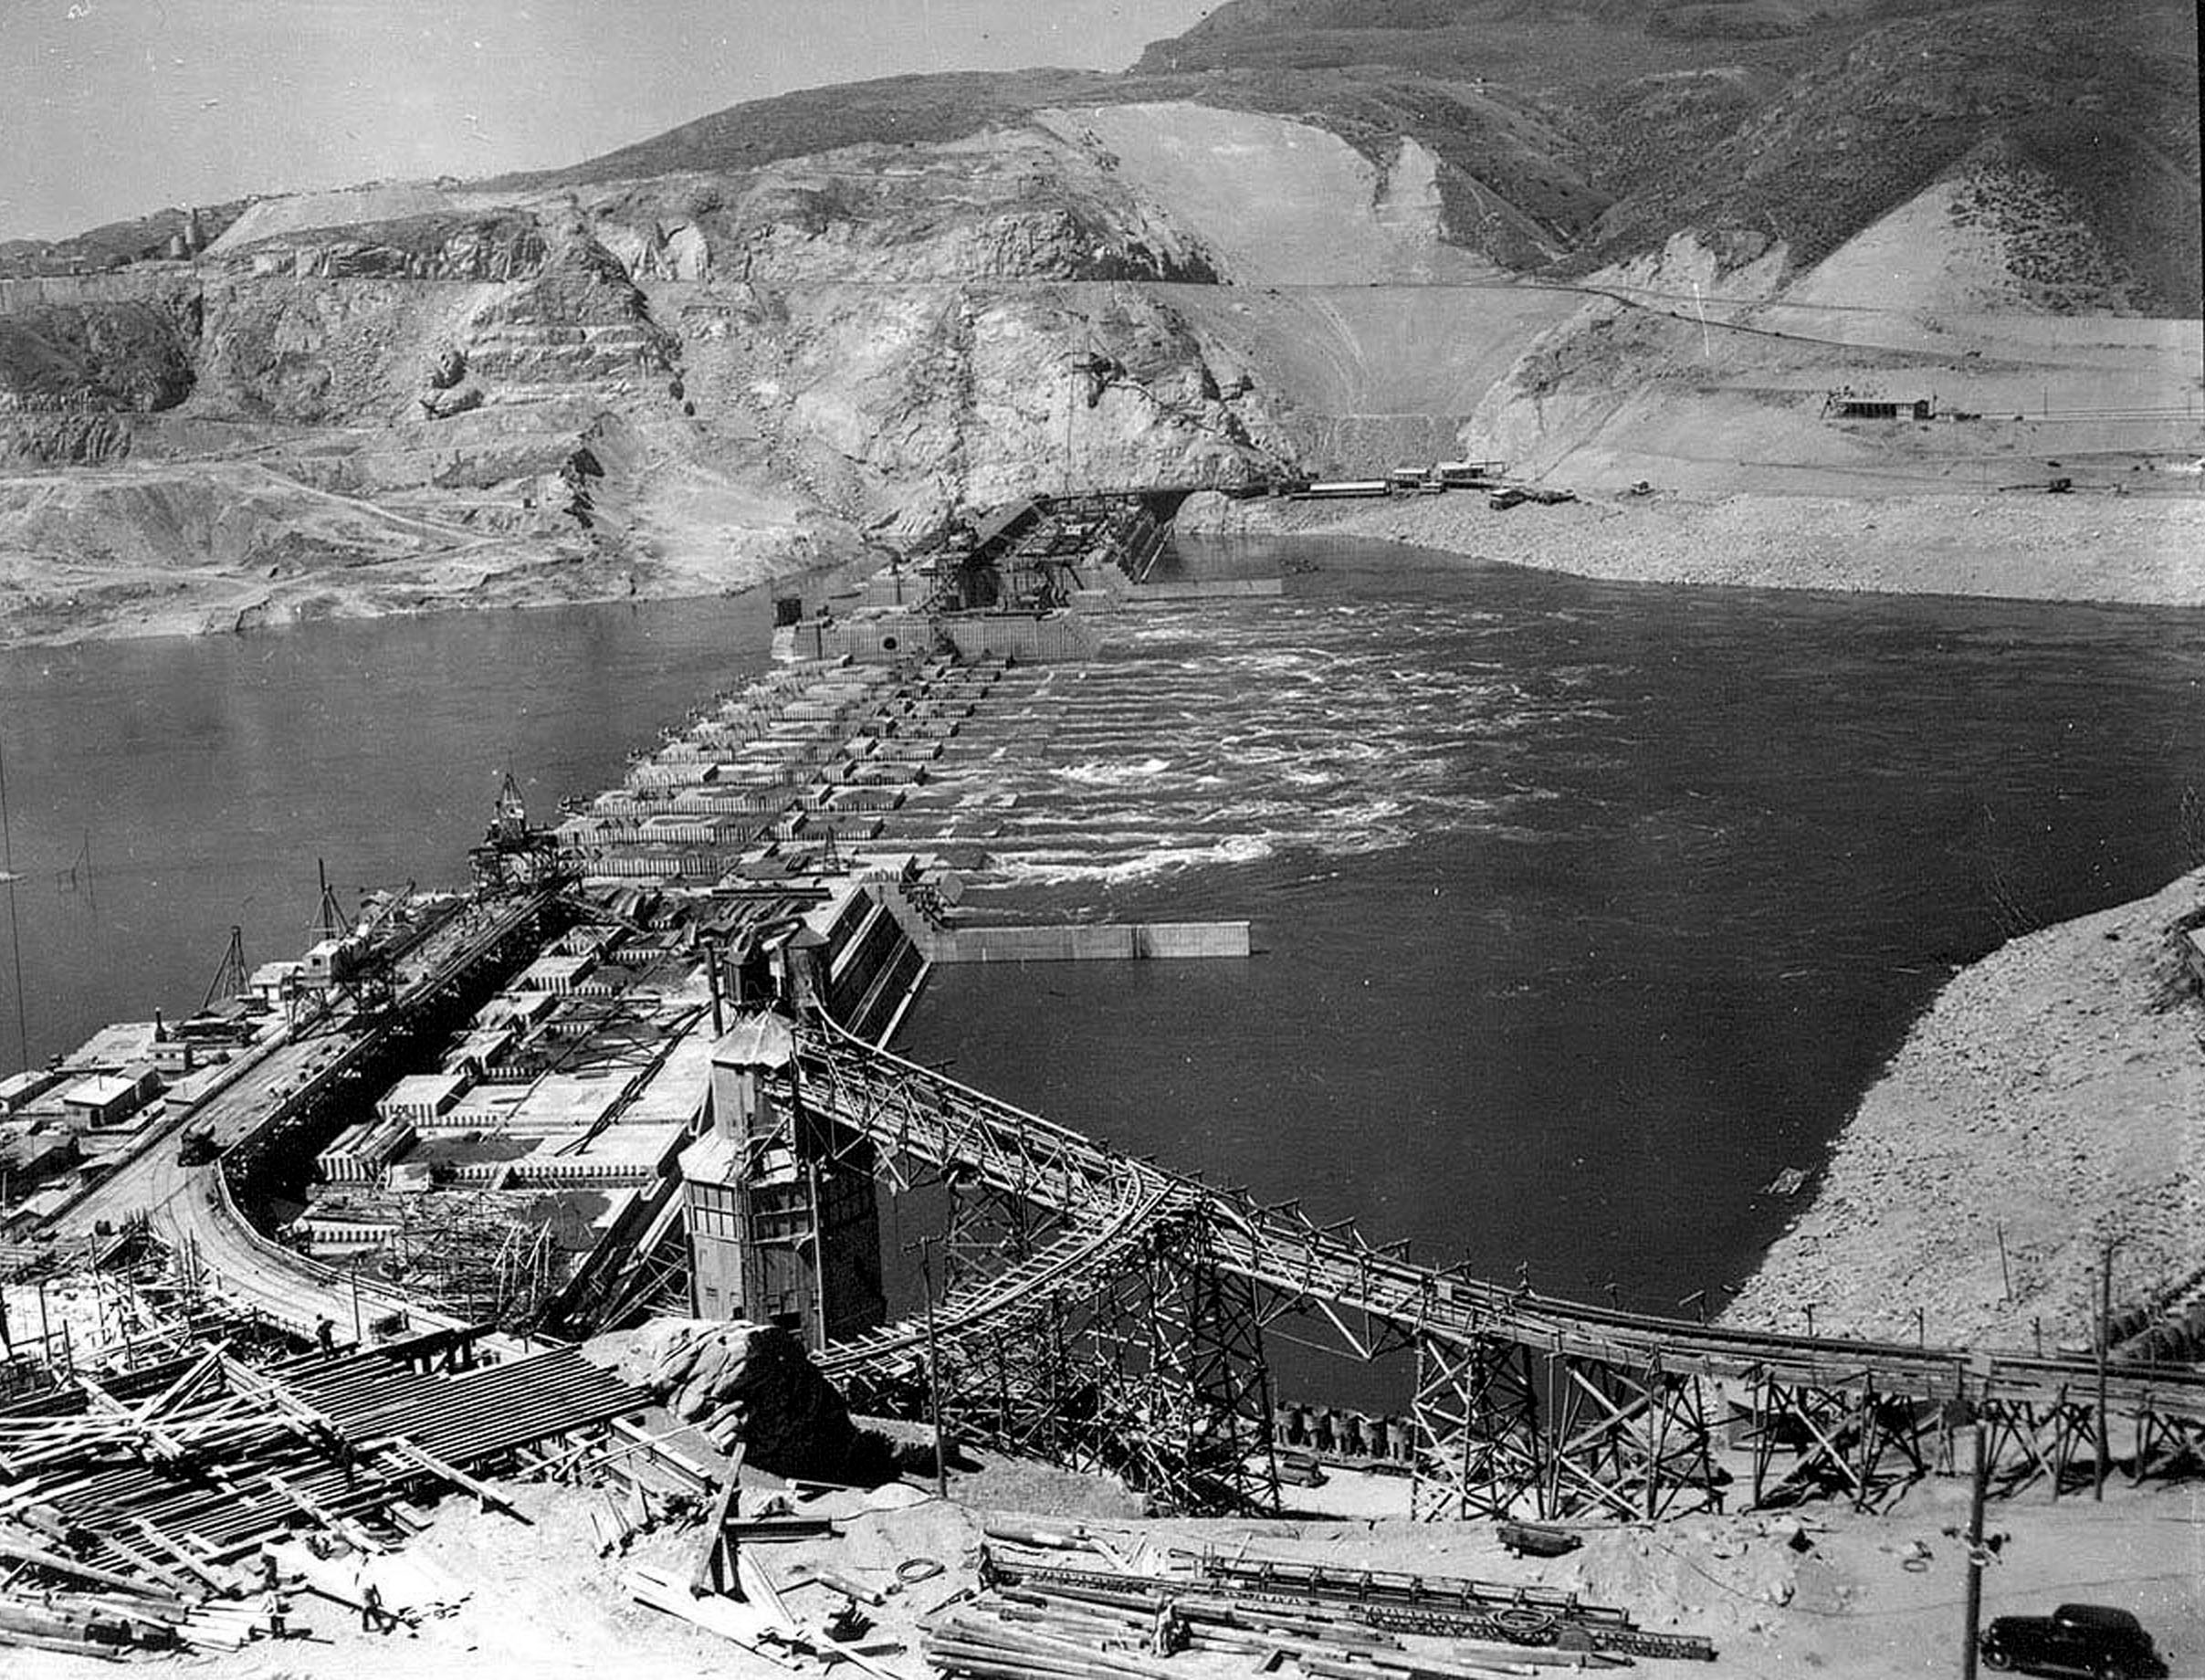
column 55, row 1603
column 135, row 1506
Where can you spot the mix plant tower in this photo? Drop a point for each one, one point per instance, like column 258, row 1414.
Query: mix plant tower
column 780, row 1204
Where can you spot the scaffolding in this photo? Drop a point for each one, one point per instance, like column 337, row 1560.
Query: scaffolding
column 474, row 1258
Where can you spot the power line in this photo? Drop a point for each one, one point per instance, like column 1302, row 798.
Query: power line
column 15, row 929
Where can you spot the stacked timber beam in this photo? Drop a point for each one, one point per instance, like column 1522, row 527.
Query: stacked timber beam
column 133, row 1506
column 1044, row 1620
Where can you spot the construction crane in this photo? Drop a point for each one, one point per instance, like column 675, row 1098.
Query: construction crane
column 514, row 853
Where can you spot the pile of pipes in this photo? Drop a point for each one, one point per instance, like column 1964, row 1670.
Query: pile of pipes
column 1042, row 1620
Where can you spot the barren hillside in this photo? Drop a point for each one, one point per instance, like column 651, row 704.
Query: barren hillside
column 1610, row 242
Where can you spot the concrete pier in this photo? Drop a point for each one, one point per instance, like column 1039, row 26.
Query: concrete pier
column 1107, row 941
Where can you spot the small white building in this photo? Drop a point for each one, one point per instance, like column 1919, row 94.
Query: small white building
column 555, row 975
column 18, row 1091
column 109, row 1099
column 421, row 1099
column 272, row 980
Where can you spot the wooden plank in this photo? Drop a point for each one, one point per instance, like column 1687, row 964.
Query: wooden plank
column 491, row 1498
column 165, row 1445
column 138, row 1560
column 763, row 1595
column 83, row 1571
column 706, row 1577
column 145, row 1526
column 201, row 1367
column 74, row 1647
column 342, row 1526
column 659, row 1448
column 741, row 1624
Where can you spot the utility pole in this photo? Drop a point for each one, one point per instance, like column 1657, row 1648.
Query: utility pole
column 1979, row 1471
column 941, row 1454
column 2097, row 1491
column 819, row 1258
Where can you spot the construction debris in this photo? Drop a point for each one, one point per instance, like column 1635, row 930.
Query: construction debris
column 759, row 1619
column 133, row 1504
column 1351, row 1616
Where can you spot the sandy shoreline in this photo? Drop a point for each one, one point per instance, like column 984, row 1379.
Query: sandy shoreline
column 33, row 612
column 2142, row 548
column 2146, row 549
column 2053, row 1097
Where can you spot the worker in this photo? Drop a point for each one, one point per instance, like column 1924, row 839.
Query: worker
column 373, row 1618
column 276, row 1610
column 325, row 1332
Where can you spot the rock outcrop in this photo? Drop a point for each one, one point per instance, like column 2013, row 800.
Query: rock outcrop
column 134, row 356
column 753, row 1386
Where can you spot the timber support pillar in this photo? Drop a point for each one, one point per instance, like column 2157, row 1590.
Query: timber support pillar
column 1476, row 1429
column 1180, row 1359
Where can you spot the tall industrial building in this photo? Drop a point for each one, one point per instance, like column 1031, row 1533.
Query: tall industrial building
column 780, row 1203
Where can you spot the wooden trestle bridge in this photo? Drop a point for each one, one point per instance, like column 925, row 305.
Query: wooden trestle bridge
column 1106, row 1314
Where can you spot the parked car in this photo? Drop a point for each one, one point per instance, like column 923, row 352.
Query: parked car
column 2075, row 1639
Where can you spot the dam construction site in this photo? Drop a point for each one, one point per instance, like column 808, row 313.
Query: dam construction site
column 1369, row 845
column 550, row 1243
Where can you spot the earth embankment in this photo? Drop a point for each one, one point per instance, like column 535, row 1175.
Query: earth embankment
column 2048, row 1104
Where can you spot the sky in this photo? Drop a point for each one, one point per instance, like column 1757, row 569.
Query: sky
column 111, row 109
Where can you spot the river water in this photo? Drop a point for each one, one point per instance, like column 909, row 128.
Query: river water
column 1585, row 910
column 1582, row 909
column 204, row 776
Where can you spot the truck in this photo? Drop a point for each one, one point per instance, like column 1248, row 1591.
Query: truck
column 197, row 1147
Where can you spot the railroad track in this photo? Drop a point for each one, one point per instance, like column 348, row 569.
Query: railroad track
column 192, row 1208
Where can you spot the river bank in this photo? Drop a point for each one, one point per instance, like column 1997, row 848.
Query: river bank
column 2143, row 549
column 2051, row 1100
column 46, row 603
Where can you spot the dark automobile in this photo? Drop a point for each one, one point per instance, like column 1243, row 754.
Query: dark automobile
column 2075, row 1639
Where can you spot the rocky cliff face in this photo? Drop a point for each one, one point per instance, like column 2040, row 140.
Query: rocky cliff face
column 680, row 381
